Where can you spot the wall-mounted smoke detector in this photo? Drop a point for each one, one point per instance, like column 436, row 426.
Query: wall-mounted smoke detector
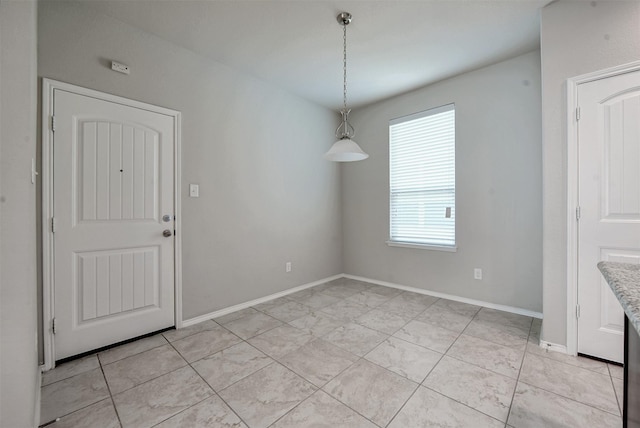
column 120, row 68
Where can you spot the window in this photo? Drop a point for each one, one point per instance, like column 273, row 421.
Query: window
column 422, row 171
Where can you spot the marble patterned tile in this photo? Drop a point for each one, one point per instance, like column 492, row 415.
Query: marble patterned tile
column 372, row 391
column 495, row 316
column 152, row 402
column 136, row 369
column 173, row 335
column 533, row 408
column 385, row 322
column 460, row 308
column 225, row 319
column 384, row 291
column 406, row 359
column 281, row 340
column 321, row 287
column 71, row 394
column 490, row 356
column 416, row 298
column 573, row 382
column 271, row 303
column 504, row 334
column 205, row 343
column 317, row 323
column 252, row 325
column 446, row 318
column 263, row 397
column 433, row 337
column 101, row 414
column 618, row 387
column 301, row 295
column 124, row 351
column 534, row 333
column 356, row 284
column 322, row 411
column 319, row 300
column 403, row 307
column 318, row 361
column 478, row 388
column 428, row 409
column 230, row 365
column 578, row 361
column 357, row 339
column 212, row 412
column 69, row 369
column 346, row 310
column 368, row 299
column 340, row 291
column 616, row 371
column 289, row 311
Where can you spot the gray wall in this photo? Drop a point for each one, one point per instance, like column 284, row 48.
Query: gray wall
column 498, row 189
column 577, row 38
column 19, row 372
column 266, row 194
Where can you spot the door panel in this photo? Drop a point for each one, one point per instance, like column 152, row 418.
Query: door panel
column 609, row 198
column 113, row 182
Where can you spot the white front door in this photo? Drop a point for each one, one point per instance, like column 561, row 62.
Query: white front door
column 113, row 196
column 609, row 200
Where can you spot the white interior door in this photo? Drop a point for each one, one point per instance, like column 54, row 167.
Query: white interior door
column 609, row 200
column 113, row 179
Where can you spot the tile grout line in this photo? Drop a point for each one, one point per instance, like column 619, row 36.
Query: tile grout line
column 113, row 403
column 524, row 354
column 358, row 360
column 207, row 383
column 571, row 399
column 464, row 404
column 615, row 391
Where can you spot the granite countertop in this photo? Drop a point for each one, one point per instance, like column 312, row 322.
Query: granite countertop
column 624, row 280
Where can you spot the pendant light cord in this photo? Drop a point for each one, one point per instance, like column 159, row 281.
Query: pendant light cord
column 344, row 65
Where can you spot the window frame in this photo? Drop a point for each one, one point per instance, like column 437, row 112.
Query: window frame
column 418, row 245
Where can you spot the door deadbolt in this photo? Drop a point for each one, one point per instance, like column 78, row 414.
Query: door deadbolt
column 166, row 218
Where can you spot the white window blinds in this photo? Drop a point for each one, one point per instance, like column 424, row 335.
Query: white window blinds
column 423, row 178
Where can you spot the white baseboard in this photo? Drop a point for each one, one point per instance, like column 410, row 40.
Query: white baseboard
column 553, row 347
column 36, row 412
column 505, row 308
column 230, row 309
column 489, row 305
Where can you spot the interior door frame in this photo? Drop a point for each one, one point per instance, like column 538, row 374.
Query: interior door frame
column 48, row 297
column 573, row 84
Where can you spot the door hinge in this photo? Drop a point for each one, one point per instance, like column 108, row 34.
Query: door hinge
column 53, row 123
column 578, row 213
column 577, row 311
column 577, row 113
column 53, row 224
column 53, row 326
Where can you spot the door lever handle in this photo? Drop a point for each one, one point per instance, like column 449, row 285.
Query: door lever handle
column 167, row 233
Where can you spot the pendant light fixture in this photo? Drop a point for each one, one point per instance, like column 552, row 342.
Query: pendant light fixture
column 345, row 149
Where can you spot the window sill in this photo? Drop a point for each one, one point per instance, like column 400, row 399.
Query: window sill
column 422, row 246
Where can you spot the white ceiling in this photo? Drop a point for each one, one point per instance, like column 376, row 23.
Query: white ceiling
column 393, row 46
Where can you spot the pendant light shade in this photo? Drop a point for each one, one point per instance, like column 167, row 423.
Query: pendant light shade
column 345, row 149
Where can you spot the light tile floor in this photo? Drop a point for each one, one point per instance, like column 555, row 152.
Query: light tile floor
column 342, row 354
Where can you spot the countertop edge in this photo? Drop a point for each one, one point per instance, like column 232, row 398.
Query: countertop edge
column 624, row 280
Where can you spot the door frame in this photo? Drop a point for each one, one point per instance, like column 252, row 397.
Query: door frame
column 48, row 307
column 573, row 194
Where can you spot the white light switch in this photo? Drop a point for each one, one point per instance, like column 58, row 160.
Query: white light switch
column 194, row 191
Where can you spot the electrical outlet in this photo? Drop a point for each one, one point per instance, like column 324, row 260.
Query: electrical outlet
column 477, row 273
column 287, row 267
